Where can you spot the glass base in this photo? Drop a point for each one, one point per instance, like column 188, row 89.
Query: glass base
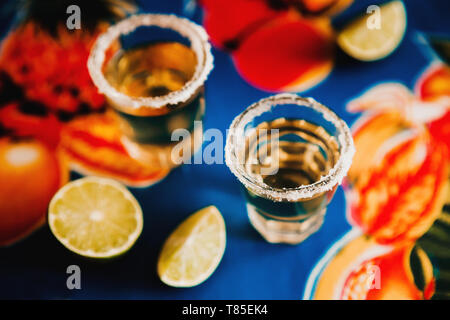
column 291, row 232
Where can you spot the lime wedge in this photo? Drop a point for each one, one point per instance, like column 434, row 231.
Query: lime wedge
column 375, row 35
column 194, row 250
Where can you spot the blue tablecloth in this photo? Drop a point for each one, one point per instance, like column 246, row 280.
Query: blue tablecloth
column 251, row 268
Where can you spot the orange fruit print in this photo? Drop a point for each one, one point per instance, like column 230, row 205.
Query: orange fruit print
column 278, row 45
column 403, row 196
column 93, row 145
column 34, row 173
column 397, row 193
column 397, row 184
column 288, row 65
column 394, row 280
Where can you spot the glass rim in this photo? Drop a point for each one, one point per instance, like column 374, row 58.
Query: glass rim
column 186, row 28
column 327, row 182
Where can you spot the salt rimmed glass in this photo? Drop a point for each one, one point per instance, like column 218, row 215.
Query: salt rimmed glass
column 286, row 213
column 147, row 122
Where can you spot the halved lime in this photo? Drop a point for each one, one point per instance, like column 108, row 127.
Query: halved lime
column 95, row 217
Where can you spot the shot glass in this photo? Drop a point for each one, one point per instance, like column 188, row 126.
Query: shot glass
column 290, row 154
column 152, row 69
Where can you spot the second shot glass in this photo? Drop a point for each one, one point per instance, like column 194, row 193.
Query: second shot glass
column 290, row 154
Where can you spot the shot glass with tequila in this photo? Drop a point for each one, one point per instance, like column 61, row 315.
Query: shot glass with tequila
column 290, row 154
column 152, row 69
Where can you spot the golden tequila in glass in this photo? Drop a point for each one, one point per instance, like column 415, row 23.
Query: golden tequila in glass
column 152, row 69
column 290, row 154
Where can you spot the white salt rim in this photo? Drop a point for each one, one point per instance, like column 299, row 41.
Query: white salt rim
column 236, row 140
column 199, row 44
